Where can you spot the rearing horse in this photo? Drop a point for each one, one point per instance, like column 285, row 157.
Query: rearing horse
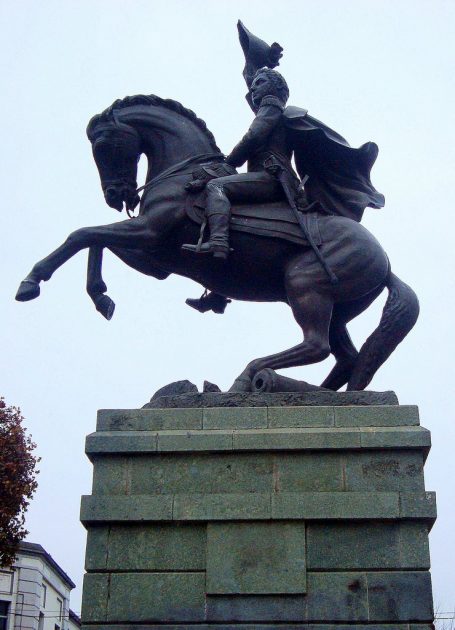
column 260, row 268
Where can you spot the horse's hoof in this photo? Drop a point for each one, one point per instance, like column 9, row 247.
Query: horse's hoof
column 28, row 290
column 241, row 385
column 105, row 306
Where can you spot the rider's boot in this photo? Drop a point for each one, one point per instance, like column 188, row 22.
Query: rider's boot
column 209, row 302
column 218, row 244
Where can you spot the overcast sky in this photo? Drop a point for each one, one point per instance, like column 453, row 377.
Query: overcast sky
column 378, row 70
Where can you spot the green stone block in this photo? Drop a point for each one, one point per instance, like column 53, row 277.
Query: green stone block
column 256, row 608
column 258, row 506
column 95, row 597
column 398, row 437
column 148, row 419
column 300, row 417
column 203, row 473
column 414, row 545
column 297, row 439
column 337, row 597
column 111, row 475
column 335, row 505
column 235, row 417
column 153, row 547
column 96, row 550
column 99, row 509
column 261, row 626
column 171, row 441
column 400, row 596
column 385, row 471
column 219, row 507
column 377, row 416
column 307, row 472
column 256, row 558
column 121, row 442
column 335, row 546
column 139, row 597
column 374, row 626
column 418, row 505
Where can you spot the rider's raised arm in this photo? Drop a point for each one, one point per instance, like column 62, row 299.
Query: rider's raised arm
column 267, row 117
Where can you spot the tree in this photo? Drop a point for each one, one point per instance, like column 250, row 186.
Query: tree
column 17, row 480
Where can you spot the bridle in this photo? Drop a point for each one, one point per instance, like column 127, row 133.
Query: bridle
column 172, row 171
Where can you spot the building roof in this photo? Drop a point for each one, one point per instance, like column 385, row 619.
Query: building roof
column 74, row 617
column 33, row 549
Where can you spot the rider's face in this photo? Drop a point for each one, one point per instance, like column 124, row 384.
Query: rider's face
column 260, row 87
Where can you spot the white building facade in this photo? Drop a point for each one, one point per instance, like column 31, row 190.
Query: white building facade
column 35, row 593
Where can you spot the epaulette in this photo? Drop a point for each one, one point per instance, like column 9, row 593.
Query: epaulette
column 272, row 100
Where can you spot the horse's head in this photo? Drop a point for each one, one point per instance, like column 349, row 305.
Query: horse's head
column 116, row 149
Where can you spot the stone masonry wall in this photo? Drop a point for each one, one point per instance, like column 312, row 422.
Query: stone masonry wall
column 302, row 517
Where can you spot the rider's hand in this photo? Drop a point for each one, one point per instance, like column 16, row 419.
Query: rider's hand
column 195, row 185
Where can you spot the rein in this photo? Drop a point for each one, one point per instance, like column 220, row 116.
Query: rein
column 173, row 171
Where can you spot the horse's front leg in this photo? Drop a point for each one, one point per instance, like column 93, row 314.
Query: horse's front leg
column 130, row 233
column 96, row 287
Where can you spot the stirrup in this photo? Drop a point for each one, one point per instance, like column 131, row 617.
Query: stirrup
column 209, row 302
column 218, row 250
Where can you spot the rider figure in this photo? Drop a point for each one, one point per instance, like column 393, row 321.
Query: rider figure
column 265, row 143
column 338, row 175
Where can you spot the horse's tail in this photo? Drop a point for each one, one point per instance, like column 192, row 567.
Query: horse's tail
column 399, row 315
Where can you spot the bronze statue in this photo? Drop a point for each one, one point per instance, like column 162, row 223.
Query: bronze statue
column 298, row 242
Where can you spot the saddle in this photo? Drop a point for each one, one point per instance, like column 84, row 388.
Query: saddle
column 272, row 220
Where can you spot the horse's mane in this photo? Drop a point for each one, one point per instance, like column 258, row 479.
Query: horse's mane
column 152, row 99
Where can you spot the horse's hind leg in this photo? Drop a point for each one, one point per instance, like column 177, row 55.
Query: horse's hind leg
column 312, row 311
column 343, row 349
column 345, row 354
column 96, row 287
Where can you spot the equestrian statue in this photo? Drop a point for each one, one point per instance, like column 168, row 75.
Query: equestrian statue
column 269, row 234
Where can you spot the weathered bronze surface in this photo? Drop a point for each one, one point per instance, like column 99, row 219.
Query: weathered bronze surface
column 290, row 237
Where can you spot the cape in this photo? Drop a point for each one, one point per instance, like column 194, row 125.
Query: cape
column 338, row 176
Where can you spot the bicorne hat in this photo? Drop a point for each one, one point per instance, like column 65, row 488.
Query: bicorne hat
column 257, row 53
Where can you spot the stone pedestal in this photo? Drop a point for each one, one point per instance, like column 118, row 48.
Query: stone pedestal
column 258, row 517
